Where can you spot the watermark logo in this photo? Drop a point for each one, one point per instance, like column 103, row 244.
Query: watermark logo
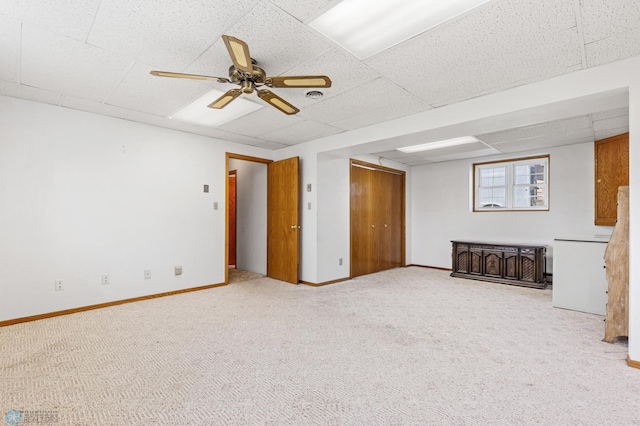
column 13, row 417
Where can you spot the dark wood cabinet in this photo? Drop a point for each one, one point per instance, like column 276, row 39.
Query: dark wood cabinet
column 611, row 172
column 515, row 264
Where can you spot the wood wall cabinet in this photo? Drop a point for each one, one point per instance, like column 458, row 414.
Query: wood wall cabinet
column 514, row 264
column 377, row 218
column 611, row 171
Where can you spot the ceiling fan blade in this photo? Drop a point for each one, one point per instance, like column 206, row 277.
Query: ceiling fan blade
column 239, row 52
column 189, row 76
column 225, row 99
column 277, row 102
column 299, row 81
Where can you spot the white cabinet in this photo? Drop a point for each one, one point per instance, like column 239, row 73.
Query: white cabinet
column 579, row 279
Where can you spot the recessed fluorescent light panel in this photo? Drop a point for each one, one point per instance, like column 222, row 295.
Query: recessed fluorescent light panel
column 366, row 27
column 198, row 113
column 439, row 144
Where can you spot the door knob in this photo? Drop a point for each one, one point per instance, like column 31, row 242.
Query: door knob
column 385, row 225
column 293, row 227
column 373, row 226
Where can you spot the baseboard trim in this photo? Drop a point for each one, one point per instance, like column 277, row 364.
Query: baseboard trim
column 104, row 305
column 430, row 267
column 632, row 363
column 325, row 283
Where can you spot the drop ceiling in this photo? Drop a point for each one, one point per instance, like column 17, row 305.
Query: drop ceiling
column 95, row 56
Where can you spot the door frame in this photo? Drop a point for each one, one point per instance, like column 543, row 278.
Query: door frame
column 234, row 215
column 358, row 163
column 228, row 156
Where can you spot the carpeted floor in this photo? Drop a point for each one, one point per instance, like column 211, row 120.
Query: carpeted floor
column 407, row 346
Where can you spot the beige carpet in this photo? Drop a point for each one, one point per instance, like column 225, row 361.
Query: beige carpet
column 408, row 346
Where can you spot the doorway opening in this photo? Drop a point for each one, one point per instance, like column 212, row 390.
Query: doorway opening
column 246, row 251
column 266, row 222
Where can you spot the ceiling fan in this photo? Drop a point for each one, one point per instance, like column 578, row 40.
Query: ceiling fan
column 245, row 73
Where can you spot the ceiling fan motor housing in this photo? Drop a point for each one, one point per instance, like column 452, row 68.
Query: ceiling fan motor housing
column 257, row 77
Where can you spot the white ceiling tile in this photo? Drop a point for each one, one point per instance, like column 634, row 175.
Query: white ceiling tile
column 10, row 30
column 163, row 33
column 140, row 91
column 392, row 155
column 344, row 70
column 264, row 120
column 29, row 93
column 611, row 123
column 540, row 143
column 302, row 10
column 61, row 64
column 232, row 137
column 95, row 107
column 375, row 101
column 505, row 44
column 389, row 155
column 616, row 47
column 607, row 133
column 603, row 18
column 71, row 18
column 612, row 113
column 168, row 123
column 414, row 160
column 462, row 155
column 560, row 138
column 277, row 41
column 521, row 146
column 550, row 129
column 271, row 145
column 476, row 146
column 301, row 132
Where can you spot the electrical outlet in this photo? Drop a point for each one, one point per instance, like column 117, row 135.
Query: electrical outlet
column 147, row 274
column 215, row 205
column 178, row 270
column 309, row 205
column 340, row 261
column 106, row 280
column 59, row 285
column 308, row 187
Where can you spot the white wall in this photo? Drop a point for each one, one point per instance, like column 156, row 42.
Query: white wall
column 333, row 222
column 251, row 215
column 442, row 207
column 85, row 195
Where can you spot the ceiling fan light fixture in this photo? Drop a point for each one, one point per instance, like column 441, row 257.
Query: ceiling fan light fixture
column 365, row 28
column 439, row 144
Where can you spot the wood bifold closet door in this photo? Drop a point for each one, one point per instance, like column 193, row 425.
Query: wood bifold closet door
column 377, row 225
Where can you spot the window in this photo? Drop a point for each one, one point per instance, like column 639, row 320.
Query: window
column 519, row 184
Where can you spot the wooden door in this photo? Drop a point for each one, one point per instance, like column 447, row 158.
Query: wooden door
column 232, row 218
column 392, row 226
column 377, row 218
column 362, row 222
column 612, row 171
column 282, row 220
